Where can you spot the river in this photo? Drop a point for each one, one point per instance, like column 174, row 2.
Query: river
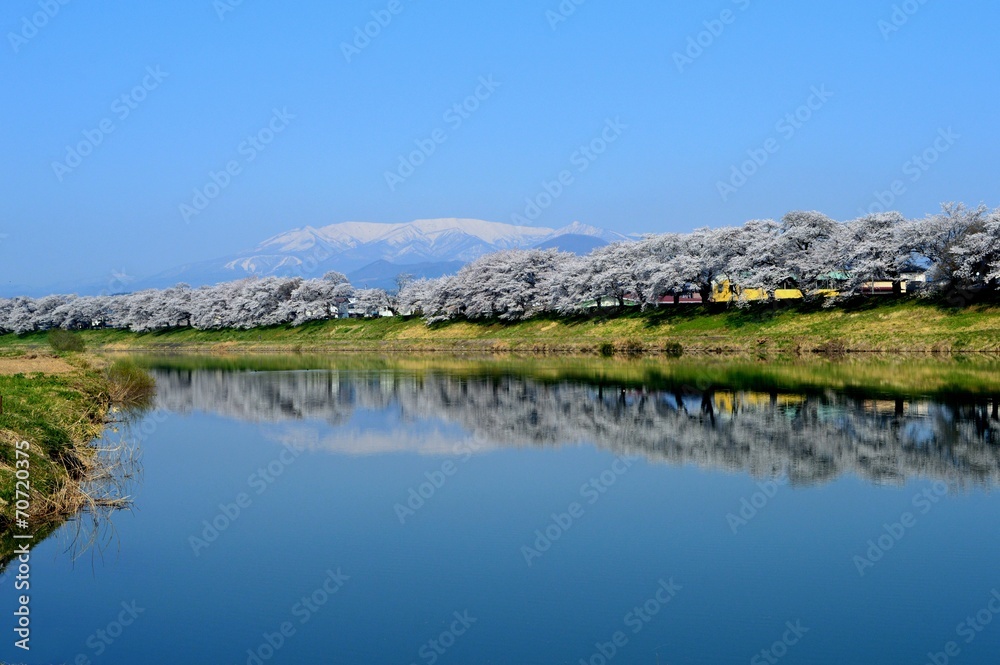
column 374, row 515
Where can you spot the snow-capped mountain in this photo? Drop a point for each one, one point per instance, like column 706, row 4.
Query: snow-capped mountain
column 422, row 240
column 376, row 253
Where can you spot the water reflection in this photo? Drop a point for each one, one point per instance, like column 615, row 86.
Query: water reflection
column 813, row 438
column 111, row 480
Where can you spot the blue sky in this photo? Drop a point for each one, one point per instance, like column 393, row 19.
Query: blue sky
column 200, row 77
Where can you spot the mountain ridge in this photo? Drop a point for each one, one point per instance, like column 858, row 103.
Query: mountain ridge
column 423, row 247
column 372, row 252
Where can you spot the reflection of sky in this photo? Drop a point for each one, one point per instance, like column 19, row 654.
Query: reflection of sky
column 393, row 419
column 813, row 438
column 919, row 432
column 793, row 560
column 372, row 432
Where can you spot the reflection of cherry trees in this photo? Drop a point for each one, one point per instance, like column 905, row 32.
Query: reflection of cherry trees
column 813, row 439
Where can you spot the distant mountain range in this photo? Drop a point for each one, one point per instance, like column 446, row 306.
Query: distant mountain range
column 372, row 255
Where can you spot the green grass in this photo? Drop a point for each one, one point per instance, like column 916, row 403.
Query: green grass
column 128, row 384
column 64, row 340
column 57, row 415
column 875, row 325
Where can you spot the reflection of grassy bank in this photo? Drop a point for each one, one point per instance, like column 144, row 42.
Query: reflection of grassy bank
column 58, row 406
column 871, row 376
column 884, row 326
column 9, row 545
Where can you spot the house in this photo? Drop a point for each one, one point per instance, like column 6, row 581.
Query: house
column 682, row 299
column 607, row 301
column 880, row 288
column 723, row 290
column 914, row 273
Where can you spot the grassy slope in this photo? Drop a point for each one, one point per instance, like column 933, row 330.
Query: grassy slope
column 58, row 415
column 906, row 325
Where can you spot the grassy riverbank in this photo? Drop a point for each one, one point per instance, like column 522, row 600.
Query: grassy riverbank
column 58, row 405
column 885, row 326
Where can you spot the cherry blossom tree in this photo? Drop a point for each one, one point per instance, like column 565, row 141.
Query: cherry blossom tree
column 960, row 246
column 874, row 251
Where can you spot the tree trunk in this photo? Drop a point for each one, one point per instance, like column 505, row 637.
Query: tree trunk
column 707, row 406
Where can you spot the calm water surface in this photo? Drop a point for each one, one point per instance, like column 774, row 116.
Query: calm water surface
column 393, row 517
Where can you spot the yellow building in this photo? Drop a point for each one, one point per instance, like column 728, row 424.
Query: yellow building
column 724, row 291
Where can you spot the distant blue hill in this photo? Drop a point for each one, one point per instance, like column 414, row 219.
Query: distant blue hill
column 370, row 254
column 382, row 274
column 571, row 242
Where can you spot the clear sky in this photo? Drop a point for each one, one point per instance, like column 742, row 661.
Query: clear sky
column 161, row 94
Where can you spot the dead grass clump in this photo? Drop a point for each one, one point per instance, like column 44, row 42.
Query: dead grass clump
column 129, row 384
column 631, row 347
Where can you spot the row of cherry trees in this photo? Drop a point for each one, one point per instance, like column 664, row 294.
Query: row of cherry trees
column 244, row 304
column 960, row 247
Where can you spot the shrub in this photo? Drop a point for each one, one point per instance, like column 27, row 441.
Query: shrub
column 64, row 340
column 673, row 350
column 833, row 347
column 632, row 347
column 606, row 349
column 129, row 384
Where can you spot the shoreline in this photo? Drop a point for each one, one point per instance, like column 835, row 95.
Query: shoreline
column 869, row 377
column 872, row 327
column 60, row 402
column 60, row 406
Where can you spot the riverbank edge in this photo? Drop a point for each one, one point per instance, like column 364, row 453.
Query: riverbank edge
column 885, row 327
column 60, row 415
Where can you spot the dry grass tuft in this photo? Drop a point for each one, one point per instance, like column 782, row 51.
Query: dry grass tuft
column 129, row 384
